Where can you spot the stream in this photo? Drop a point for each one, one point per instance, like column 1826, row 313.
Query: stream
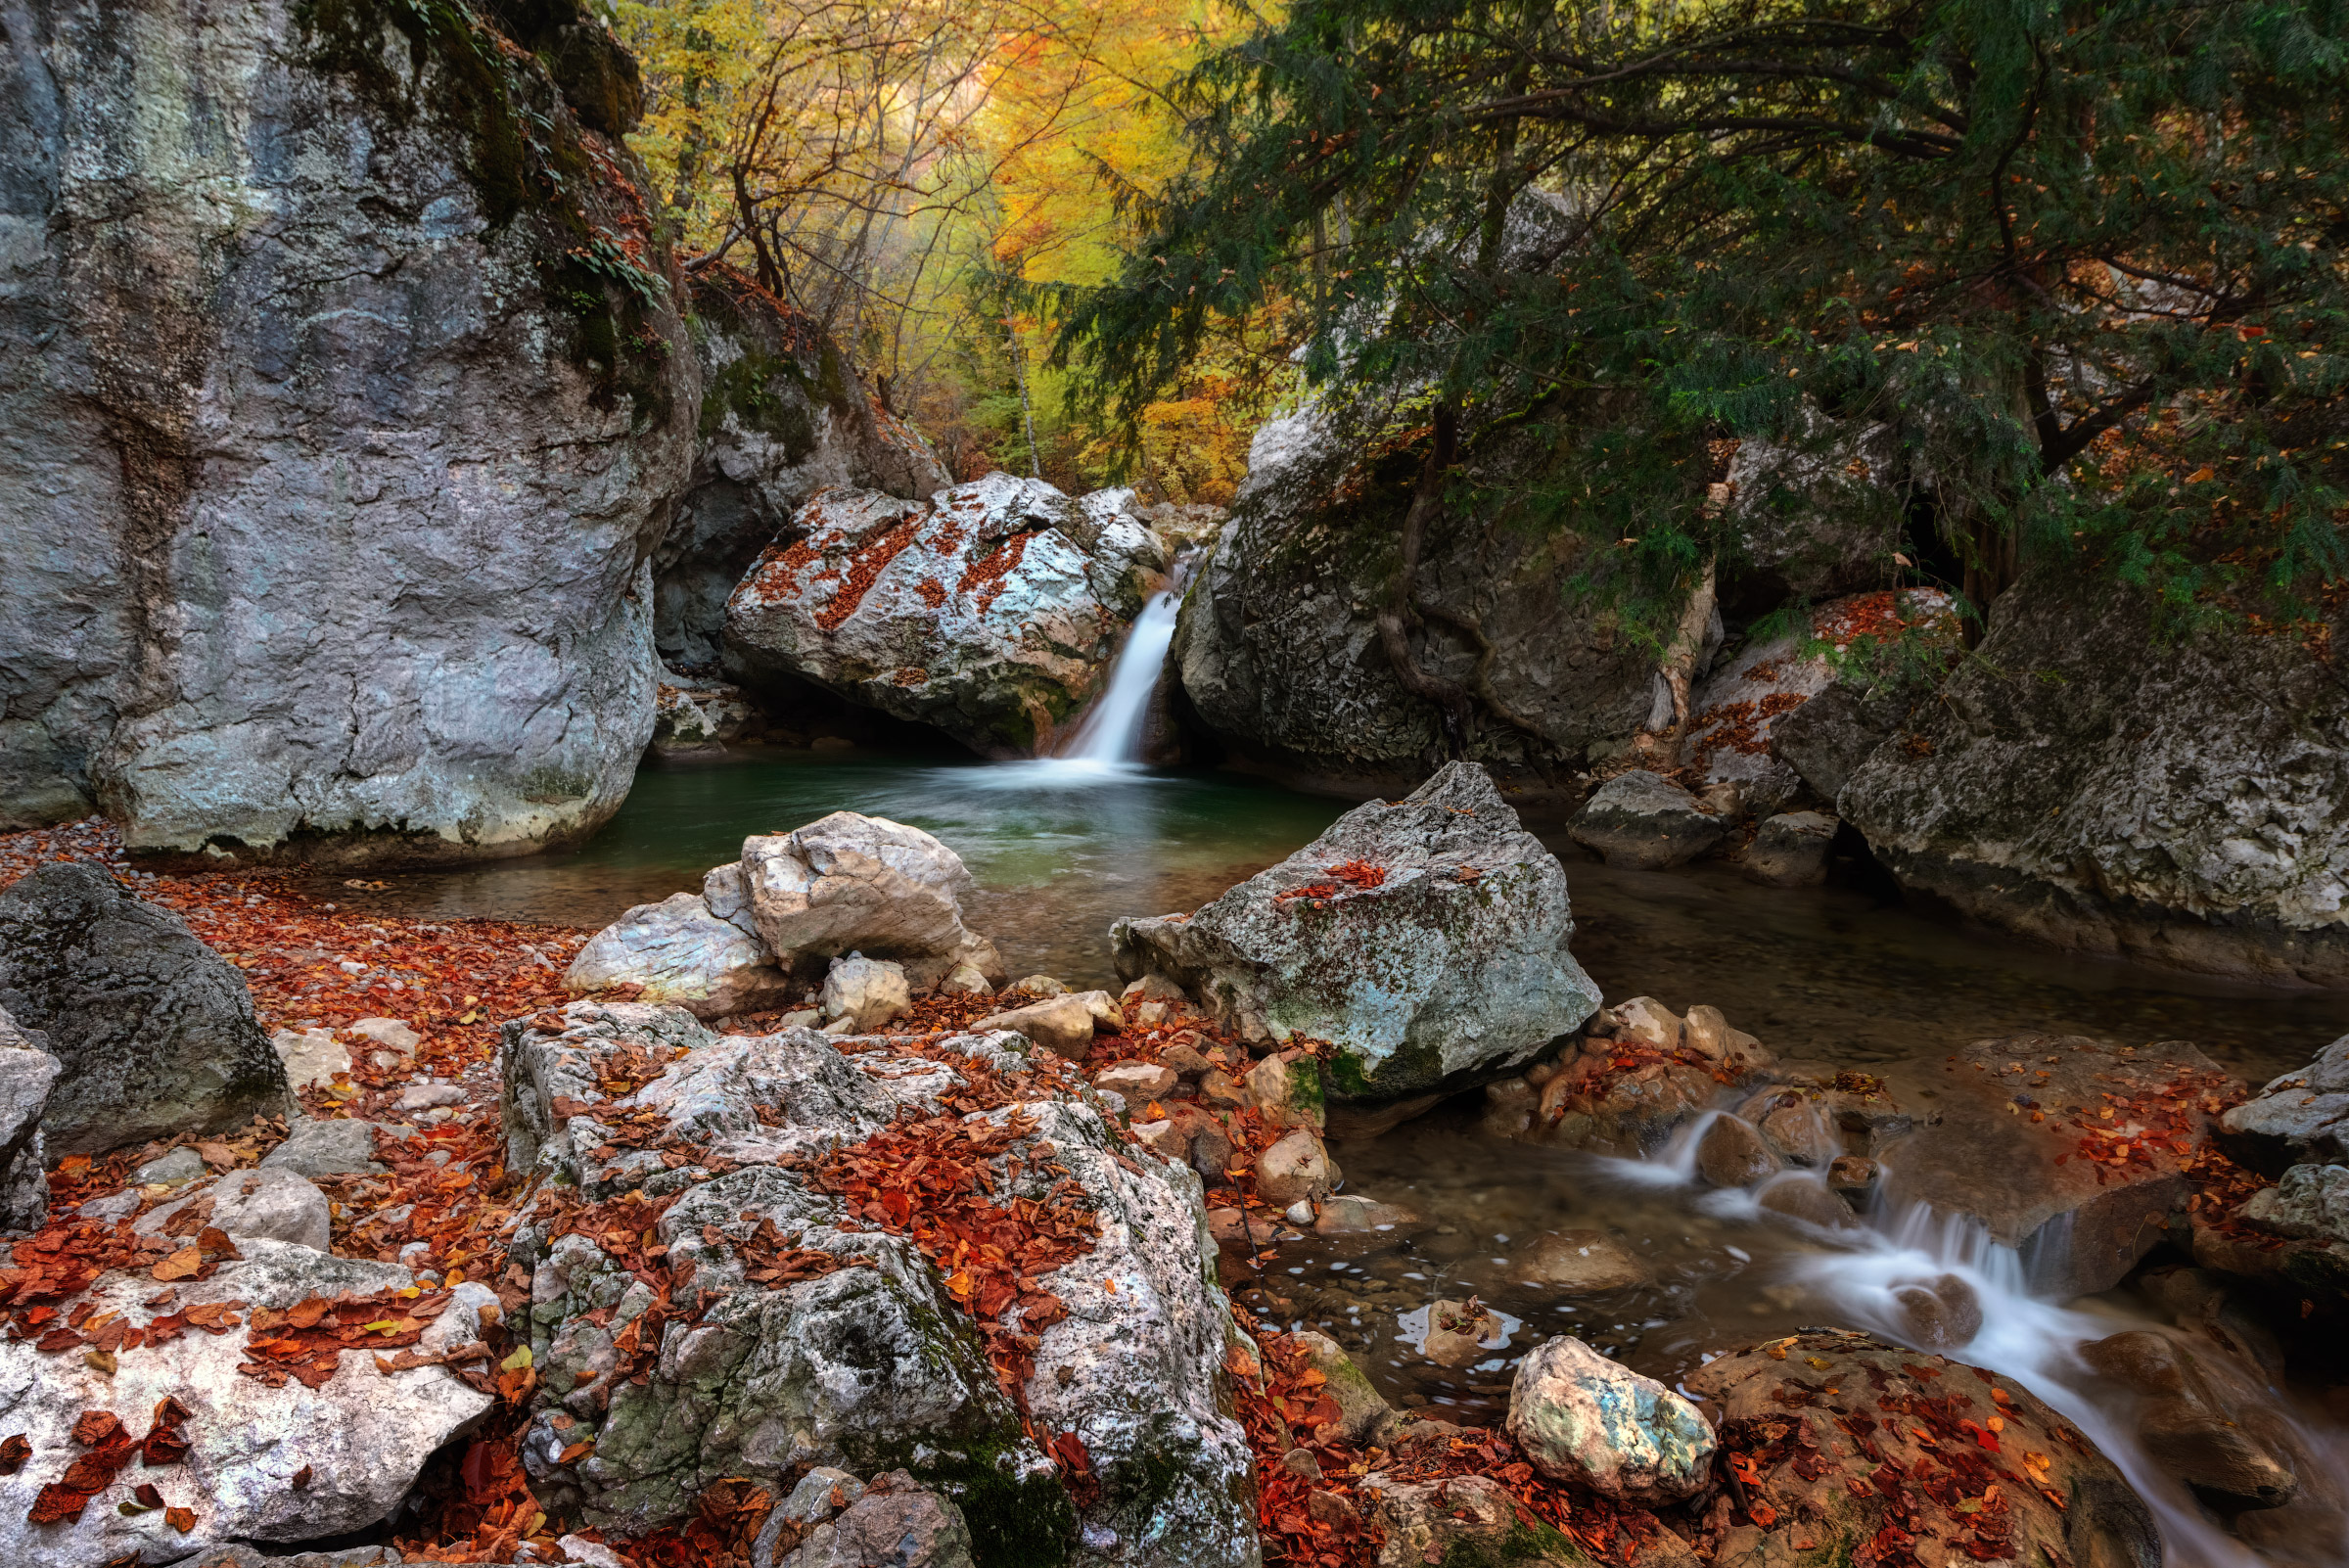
column 1843, row 974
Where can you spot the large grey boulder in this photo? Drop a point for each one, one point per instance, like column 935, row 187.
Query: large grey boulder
column 343, row 402
column 871, row 1366
column 27, row 1072
column 1279, row 651
column 363, row 1434
column 2301, row 1115
column 784, row 415
column 1423, row 939
column 2097, row 782
column 1645, row 821
column 678, row 951
column 155, row 1030
column 990, row 611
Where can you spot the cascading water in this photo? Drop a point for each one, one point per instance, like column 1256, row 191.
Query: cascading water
column 1110, row 735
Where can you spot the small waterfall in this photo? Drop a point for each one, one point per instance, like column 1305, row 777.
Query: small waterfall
column 1111, row 731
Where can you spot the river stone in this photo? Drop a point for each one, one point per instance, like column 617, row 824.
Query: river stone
column 311, row 1056
column 154, row 1030
column 2092, row 781
column 1140, row 1081
column 1581, row 1262
column 2080, row 1224
column 895, row 1523
column 328, row 516
column 692, row 719
column 2301, row 1115
column 860, row 994
column 1646, row 822
column 270, row 1203
column 1645, row 1021
column 678, row 951
column 1296, row 1165
column 1581, row 1419
column 847, row 882
column 991, row 611
column 364, row 1435
column 1361, row 1409
column 1454, row 963
column 1846, row 1491
column 2233, row 1447
column 864, row 1367
column 784, row 414
column 1731, row 1154
column 1790, row 850
column 1941, row 1314
column 338, row 1147
column 1805, row 1198
column 1062, row 1024
column 1350, row 1214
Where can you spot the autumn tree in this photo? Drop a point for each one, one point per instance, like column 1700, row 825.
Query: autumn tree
column 2085, row 259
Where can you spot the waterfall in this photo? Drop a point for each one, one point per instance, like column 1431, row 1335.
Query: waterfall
column 1111, row 730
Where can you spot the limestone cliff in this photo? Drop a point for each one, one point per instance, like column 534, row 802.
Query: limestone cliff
column 344, row 390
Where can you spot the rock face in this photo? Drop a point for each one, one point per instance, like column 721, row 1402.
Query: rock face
column 363, row 1434
column 2298, row 1116
column 764, row 928
column 1842, row 1490
column 1646, row 822
column 27, row 1072
column 1580, row 1417
column 804, row 1336
column 990, row 611
column 344, row 399
column 154, row 1030
column 783, row 416
column 2087, row 783
column 1279, row 651
column 1423, row 939
column 2082, row 1195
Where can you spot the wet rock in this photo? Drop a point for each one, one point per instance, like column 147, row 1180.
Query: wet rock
column 1581, row 1419
column 1799, row 1195
column 2091, row 781
column 1644, row 822
column 1296, row 1165
column 1731, row 1154
column 897, row 1523
column 1796, row 1131
column 2082, row 1225
column 364, row 1435
column 678, row 951
column 154, row 1032
column 331, row 545
column 2310, row 1204
column 1706, row 1032
column 2302, row 1115
column 851, row 883
column 1581, row 1262
column 1361, row 1411
column 1790, row 850
column 1596, row 1104
column 2230, row 1448
column 861, row 993
column 784, row 414
column 1424, row 939
column 2204, row 1305
column 1347, row 1214
column 1851, row 1176
column 1941, row 1314
column 990, row 611
column 1817, row 1475
column 866, row 1362
column 1458, row 1332
column 313, row 1149
column 1064, row 1025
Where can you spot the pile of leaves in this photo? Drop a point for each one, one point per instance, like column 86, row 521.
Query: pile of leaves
column 109, row 1450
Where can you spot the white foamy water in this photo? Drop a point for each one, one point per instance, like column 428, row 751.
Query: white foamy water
column 1111, row 731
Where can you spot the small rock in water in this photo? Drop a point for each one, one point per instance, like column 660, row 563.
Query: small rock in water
column 1460, row 1333
column 1710, row 1035
column 1941, row 1314
column 1852, row 1176
column 1581, row 1419
column 1790, row 850
column 1351, row 1214
column 1301, row 1214
column 1806, row 1199
column 1799, row 1134
column 1583, row 1262
column 1296, row 1167
column 2208, row 1429
column 1731, row 1154
column 1643, row 821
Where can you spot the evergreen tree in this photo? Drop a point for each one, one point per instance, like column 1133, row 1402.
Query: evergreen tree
column 2086, row 260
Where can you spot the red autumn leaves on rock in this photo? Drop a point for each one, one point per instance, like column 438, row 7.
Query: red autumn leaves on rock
column 109, row 1447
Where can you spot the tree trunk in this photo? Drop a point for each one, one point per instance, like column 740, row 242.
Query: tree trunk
column 1019, row 371
column 1451, row 699
column 1681, row 656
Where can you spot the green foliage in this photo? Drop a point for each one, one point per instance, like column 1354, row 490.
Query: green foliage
column 2081, row 262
